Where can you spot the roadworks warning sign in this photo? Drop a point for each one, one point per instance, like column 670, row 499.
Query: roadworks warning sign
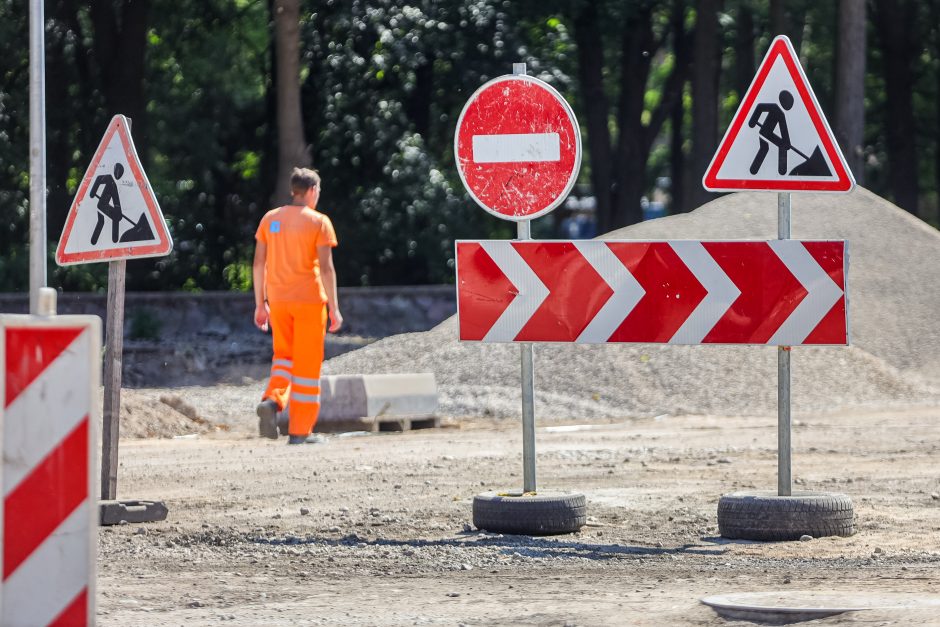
column 115, row 214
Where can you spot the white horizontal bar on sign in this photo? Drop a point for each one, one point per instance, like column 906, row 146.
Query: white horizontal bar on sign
column 515, row 147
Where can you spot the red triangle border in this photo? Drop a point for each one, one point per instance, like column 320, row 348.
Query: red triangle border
column 118, row 125
column 845, row 182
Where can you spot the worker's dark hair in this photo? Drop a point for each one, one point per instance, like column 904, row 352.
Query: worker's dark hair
column 302, row 179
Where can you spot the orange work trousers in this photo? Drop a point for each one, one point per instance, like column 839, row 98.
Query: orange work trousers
column 299, row 330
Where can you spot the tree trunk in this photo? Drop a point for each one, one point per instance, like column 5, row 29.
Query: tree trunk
column 778, row 18
column 679, row 180
column 706, row 67
column 677, row 172
column 292, row 145
column 936, row 155
column 120, row 44
column 59, row 155
column 896, row 27
column 590, row 75
column 637, row 49
column 418, row 102
column 850, row 85
column 744, row 65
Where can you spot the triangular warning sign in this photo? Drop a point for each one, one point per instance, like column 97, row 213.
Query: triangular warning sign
column 779, row 139
column 115, row 214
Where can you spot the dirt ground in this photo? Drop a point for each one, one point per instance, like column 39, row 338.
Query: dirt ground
column 376, row 529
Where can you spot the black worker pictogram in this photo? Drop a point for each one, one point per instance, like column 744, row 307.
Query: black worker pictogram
column 109, row 207
column 773, row 130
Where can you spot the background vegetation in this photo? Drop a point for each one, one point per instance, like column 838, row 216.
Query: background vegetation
column 381, row 84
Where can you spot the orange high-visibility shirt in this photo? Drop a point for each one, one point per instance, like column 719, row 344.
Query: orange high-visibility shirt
column 292, row 267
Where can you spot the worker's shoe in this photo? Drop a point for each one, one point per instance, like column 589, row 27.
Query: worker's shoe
column 313, row 438
column 283, row 422
column 267, row 419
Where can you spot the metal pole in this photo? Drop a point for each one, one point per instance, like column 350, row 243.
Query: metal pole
column 528, row 396
column 524, row 232
column 37, row 153
column 784, row 482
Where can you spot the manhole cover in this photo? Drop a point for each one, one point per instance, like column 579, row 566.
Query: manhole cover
column 782, row 608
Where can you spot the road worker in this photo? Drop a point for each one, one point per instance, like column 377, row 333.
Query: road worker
column 295, row 290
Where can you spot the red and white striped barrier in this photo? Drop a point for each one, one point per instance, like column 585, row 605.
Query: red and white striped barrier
column 781, row 292
column 51, row 376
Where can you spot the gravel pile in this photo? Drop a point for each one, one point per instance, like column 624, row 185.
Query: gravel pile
column 894, row 292
column 894, row 306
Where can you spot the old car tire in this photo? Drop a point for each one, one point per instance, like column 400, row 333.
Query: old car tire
column 763, row 515
column 530, row 514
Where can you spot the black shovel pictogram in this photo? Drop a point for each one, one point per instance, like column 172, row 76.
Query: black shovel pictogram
column 109, row 206
column 770, row 118
column 140, row 232
column 813, row 165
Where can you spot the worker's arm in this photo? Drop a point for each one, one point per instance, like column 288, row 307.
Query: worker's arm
column 257, row 275
column 759, row 110
column 328, row 276
column 94, row 186
column 784, row 134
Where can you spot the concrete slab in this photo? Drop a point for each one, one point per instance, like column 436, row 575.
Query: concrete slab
column 393, row 402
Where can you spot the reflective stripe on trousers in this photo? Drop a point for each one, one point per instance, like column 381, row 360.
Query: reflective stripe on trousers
column 298, row 330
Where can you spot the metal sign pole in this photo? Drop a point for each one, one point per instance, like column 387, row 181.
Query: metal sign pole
column 524, row 232
column 37, row 154
column 783, row 374
column 528, row 395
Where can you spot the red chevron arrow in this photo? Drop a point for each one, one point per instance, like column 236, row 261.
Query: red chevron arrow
column 576, row 292
column 781, row 292
column 769, row 292
column 672, row 292
column 831, row 329
column 486, row 292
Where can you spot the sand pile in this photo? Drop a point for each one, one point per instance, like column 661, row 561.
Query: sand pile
column 893, row 288
column 148, row 415
column 894, row 303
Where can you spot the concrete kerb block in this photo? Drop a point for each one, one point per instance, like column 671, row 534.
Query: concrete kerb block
column 348, row 398
column 400, row 394
column 343, row 397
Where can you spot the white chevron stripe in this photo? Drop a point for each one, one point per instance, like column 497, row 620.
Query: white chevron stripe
column 50, row 579
column 822, row 294
column 722, row 292
column 532, row 292
column 45, row 412
column 627, row 292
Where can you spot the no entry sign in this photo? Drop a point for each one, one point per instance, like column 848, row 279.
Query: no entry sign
column 517, row 147
column 782, row 292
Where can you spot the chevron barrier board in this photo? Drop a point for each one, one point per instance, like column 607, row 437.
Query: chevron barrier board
column 778, row 292
column 50, row 515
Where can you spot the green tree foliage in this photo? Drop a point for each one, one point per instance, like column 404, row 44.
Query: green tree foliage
column 382, row 85
column 14, row 142
column 210, row 149
column 385, row 85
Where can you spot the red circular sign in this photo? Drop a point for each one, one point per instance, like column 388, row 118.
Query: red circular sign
column 517, row 147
